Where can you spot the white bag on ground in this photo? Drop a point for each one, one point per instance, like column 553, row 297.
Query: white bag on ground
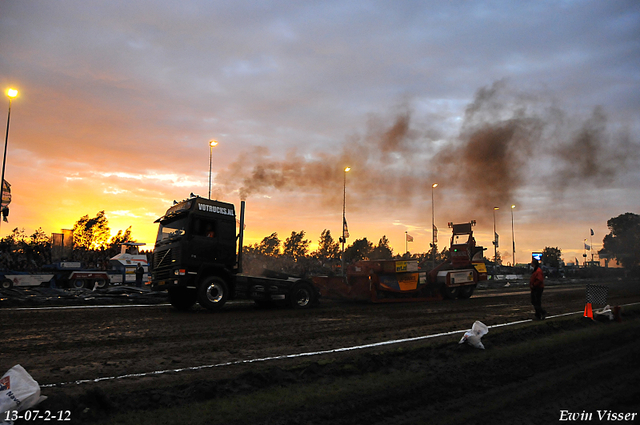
column 473, row 336
column 605, row 313
column 18, row 390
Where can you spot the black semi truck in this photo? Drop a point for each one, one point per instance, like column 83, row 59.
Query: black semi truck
column 196, row 259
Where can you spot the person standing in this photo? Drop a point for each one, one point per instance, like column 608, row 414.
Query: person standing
column 536, row 283
column 139, row 275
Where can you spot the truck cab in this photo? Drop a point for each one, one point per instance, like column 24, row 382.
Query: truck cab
column 195, row 237
column 198, row 257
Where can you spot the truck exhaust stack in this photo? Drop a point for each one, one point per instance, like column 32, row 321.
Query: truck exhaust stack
column 241, row 236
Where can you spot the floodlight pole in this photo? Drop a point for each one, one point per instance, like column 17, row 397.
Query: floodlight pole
column 11, row 93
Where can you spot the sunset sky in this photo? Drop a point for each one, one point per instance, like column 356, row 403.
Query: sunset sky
column 535, row 104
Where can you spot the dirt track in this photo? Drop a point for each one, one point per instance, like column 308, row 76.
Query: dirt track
column 61, row 346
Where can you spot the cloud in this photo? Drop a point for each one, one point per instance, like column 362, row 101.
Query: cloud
column 124, row 95
column 509, row 140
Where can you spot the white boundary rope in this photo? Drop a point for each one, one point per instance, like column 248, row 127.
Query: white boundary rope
column 292, row 356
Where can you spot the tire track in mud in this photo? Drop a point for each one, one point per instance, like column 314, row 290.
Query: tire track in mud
column 69, row 345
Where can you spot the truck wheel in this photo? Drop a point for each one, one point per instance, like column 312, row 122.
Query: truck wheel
column 466, row 291
column 302, row 295
column 182, row 298
column 213, row 293
column 98, row 283
column 6, row 284
column 450, row 293
column 77, row 283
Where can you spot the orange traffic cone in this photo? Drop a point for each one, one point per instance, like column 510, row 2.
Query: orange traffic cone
column 588, row 312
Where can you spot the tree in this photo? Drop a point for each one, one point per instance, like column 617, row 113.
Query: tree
column 120, row 238
column 497, row 259
column 551, row 257
column 39, row 247
column 382, row 251
column 328, row 249
column 21, row 252
column 623, row 240
column 91, row 233
column 296, row 246
column 269, row 246
column 359, row 250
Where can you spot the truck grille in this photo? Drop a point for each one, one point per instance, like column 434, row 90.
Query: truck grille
column 163, row 261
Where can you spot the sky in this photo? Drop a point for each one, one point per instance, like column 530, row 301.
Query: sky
column 532, row 104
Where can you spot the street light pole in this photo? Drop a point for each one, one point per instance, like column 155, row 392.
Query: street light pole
column 433, row 229
column 212, row 144
column 495, row 238
column 513, row 237
column 11, row 93
column 344, row 219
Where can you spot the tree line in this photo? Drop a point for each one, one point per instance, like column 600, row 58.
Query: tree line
column 93, row 245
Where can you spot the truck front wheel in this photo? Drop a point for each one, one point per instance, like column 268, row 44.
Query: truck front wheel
column 213, row 293
column 302, row 296
column 182, row 298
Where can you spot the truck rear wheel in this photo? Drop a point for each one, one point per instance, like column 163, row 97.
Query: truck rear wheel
column 182, row 298
column 6, row 284
column 302, row 295
column 213, row 293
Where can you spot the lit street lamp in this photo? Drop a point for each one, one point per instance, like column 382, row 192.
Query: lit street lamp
column 345, row 230
column 212, row 144
column 433, row 229
column 513, row 237
column 11, row 93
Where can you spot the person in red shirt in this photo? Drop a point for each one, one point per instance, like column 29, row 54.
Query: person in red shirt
column 536, row 283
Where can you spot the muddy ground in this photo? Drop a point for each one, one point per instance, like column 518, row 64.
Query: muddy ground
column 98, row 360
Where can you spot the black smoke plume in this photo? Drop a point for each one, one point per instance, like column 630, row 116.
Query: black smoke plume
column 507, row 139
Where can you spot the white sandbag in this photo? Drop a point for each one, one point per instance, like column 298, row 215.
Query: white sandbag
column 18, row 391
column 605, row 313
column 473, row 336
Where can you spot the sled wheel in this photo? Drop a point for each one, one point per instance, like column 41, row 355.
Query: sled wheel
column 302, row 295
column 450, row 293
column 466, row 291
column 213, row 293
column 182, row 298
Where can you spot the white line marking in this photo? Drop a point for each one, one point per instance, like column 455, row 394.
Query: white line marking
column 73, row 307
column 291, row 356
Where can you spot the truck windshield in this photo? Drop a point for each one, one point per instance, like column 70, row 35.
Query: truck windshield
column 170, row 230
